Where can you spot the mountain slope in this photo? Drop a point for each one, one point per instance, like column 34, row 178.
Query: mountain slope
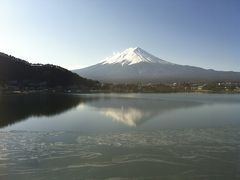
column 23, row 73
column 137, row 65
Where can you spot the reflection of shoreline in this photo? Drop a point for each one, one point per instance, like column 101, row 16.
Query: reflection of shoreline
column 128, row 109
column 15, row 108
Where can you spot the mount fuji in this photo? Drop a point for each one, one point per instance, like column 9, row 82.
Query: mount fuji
column 135, row 65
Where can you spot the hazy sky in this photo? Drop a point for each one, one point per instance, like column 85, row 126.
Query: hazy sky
column 78, row 33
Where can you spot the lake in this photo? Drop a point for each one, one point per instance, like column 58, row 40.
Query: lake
column 120, row 136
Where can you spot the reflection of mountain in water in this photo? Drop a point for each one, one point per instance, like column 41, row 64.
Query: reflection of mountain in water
column 15, row 108
column 129, row 116
column 134, row 111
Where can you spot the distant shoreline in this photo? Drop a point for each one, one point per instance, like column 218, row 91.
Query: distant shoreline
column 115, row 92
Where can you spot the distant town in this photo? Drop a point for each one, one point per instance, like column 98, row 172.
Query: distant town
column 204, row 87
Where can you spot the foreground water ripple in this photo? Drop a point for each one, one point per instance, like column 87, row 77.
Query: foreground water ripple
column 176, row 153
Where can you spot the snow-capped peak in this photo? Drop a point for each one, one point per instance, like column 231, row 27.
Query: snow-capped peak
column 132, row 56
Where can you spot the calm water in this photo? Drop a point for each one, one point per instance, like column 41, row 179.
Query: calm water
column 120, row 136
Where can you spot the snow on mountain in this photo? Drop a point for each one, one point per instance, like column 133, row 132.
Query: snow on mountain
column 135, row 65
column 133, row 56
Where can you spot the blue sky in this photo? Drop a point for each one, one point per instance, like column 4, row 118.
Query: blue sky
column 79, row 33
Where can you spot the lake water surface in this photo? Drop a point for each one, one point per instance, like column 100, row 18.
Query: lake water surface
column 120, row 136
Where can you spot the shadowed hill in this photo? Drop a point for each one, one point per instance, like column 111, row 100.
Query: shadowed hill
column 23, row 73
